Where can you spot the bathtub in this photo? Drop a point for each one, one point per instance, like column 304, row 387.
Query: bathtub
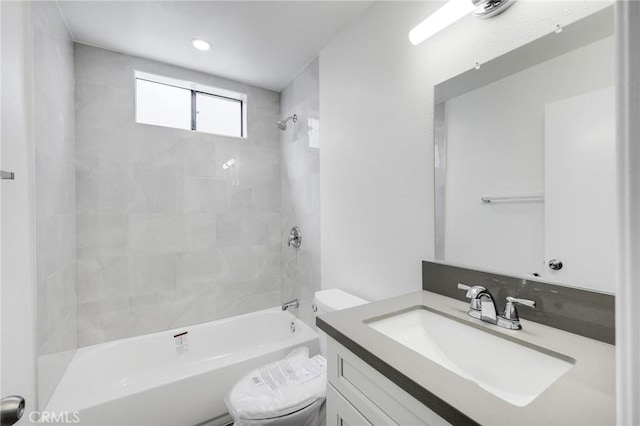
column 176, row 377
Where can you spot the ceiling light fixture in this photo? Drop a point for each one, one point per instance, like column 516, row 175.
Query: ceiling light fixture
column 454, row 10
column 200, row 44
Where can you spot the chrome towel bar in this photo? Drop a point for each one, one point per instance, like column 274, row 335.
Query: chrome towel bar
column 514, row 199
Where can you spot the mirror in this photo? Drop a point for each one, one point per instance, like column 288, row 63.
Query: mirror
column 525, row 160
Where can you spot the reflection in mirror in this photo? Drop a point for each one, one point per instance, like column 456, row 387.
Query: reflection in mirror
column 525, row 160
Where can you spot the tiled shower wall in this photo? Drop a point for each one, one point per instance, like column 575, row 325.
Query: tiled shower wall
column 55, row 195
column 166, row 236
column 301, row 189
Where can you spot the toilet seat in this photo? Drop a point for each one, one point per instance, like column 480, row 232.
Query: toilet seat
column 312, row 415
column 283, row 388
column 275, row 414
column 288, row 413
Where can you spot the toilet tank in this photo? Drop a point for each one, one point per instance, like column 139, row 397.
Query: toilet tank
column 329, row 301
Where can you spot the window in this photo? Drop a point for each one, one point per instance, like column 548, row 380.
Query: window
column 161, row 101
column 163, row 105
column 215, row 114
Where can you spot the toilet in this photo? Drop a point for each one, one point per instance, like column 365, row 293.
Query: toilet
column 332, row 300
column 258, row 400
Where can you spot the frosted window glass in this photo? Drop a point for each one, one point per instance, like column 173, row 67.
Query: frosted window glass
column 163, row 105
column 215, row 114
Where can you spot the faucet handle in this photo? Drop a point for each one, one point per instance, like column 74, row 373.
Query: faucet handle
column 510, row 311
column 463, row 286
column 525, row 302
column 472, row 293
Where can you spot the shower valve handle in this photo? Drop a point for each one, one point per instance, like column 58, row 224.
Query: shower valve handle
column 295, row 237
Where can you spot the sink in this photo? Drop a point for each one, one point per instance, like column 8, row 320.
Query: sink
column 515, row 372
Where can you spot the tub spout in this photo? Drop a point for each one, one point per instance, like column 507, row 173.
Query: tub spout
column 291, row 304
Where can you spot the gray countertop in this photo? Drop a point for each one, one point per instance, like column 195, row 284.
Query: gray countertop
column 585, row 395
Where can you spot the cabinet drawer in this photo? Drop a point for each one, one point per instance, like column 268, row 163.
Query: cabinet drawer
column 378, row 399
column 340, row 412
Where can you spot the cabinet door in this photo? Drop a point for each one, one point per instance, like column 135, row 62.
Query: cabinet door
column 378, row 399
column 340, row 412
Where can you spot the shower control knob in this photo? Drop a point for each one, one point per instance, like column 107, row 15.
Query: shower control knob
column 555, row 264
column 295, row 237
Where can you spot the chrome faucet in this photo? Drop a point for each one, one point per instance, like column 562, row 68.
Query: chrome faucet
column 291, row 304
column 488, row 310
column 483, row 307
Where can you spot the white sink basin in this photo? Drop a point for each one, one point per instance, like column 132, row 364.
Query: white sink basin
column 511, row 371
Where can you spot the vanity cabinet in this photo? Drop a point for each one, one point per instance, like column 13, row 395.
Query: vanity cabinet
column 375, row 379
column 359, row 395
column 340, row 412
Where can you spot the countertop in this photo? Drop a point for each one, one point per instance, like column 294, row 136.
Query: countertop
column 585, row 395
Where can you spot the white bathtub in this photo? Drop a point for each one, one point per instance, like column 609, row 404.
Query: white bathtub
column 145, row 381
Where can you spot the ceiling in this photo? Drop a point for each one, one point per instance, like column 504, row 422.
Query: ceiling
column 263, row 43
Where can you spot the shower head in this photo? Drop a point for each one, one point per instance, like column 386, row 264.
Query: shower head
column 282, row 124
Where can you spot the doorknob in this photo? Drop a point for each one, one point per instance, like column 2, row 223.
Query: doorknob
column 555, row 264
column 11, row 409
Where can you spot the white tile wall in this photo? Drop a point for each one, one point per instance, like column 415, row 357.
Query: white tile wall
column 166, row 237
column 55, row 195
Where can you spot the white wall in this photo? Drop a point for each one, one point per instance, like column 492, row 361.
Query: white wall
column 628, row 290
column 18, row 347
column 376, row 162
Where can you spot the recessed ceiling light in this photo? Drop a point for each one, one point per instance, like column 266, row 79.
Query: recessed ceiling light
column 200, row 44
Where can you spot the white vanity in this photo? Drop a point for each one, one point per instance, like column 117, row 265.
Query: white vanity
column 360, row 395
column 537, row 375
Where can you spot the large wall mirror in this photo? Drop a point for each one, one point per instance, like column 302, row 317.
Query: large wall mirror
column 525, row 162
